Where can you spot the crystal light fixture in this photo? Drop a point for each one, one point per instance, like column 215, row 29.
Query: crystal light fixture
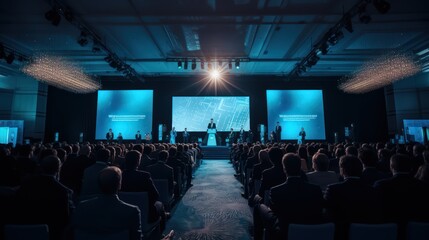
column 379, row 73
column 60, row 73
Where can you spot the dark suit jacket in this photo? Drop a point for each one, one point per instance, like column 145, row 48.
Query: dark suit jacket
column 211, row 126
column 271, row 177
column 44, row 200
column 296, row 201
column 72, row 170
column 146, row 161
column 107, row 214
column 372, row 175
column 403, row 198
column 160, row 170
column 140, row 181
column 251, row 161
column 110, row 137
column 278, row 131
column 258, row 169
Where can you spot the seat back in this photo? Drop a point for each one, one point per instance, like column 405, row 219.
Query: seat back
column 164, row 194
column 418, row 231
column 310, row 232
column 386, row 231
column 25, row 232
column 141, row 200
column 83, row 235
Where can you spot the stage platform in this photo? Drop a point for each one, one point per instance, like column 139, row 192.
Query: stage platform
column 216, row 152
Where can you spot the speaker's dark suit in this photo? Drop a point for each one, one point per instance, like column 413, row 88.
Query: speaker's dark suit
column 351, row 201
column 211, row 126
column 44, row 200
column 110, row 136
column 278, row 133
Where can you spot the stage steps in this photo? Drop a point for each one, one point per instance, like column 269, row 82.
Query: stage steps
column 218, row 153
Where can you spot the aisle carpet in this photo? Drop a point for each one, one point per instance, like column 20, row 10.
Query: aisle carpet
column 213, row 208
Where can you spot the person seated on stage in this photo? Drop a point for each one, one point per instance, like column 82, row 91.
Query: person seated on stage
column 109, row 136
column 138, row 137
column 120, row 138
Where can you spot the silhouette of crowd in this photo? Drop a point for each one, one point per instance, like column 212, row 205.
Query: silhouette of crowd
column 77, row 189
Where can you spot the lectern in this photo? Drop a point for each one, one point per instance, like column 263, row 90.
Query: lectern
column 211, row 138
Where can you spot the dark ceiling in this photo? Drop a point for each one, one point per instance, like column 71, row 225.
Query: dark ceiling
column 268, row 37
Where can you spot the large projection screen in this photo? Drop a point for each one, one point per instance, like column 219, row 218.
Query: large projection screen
column 194, row 113
column 294, row 109
column 125, row 112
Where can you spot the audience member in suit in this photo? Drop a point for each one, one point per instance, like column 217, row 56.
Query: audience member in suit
column 321, row 176
column 265, row 163
column 185, row 158
column 134, row 180
column 353, row 200
column 178, row 167
column 43, row 199
column 403, row 197
column 303, row 154
column 370, row 174
column 272, row 176
column 334, row 163
column 250, row 162
column 72, row 170
column 423, row 171
column 417, row 159
column 146, row 160
column 294, row 201
column 383, row 163
column 25, row 164
column 161, row 170
column 107, row 213
column 90, row 187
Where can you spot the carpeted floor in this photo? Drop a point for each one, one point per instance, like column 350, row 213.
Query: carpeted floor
column 213, row 208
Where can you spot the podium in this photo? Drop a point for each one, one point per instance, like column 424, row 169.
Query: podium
column 211, row 138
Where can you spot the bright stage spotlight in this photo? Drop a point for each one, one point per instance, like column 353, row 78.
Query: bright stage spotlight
column 215, row 74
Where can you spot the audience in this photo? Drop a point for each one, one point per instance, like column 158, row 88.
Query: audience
column 160, row 170
column 90, row 187
column 272, row 176
column 353, row 200
column 370, row 173
column 321, row 176
column 294, row 201
column 42, row 199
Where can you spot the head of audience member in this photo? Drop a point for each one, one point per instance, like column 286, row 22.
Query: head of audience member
column 292, row 165
column 47, row 152
column 352, row 150
column 25, row 151
column 350, row 166
column 172, row 152
column 322, row 150
column 320, row 162
column 302, row 152
column 112, row 153
column 400, row 163
column 67, row 148
column 61, row 154
column 290, row 148
column 85, row 150
column 179, row 148
column 256, row 150
column 163, row 156
column 102, row 155
column 339, row 152
column 264, row 157
column 384, row 154
column 109, row 180
column 368, row 157
column 132, row 160
column 185, row 147
column 276, row 155
column 50, row 165
column 418, row 150
column 147, row 149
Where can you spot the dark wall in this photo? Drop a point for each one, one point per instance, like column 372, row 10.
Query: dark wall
column 70, row 114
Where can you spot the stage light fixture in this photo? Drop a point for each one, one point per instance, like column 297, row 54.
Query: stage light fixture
column 10, row 58
column 237, row 64
column 179, row 64
column 82, row 40
column 382, row 6
column 53, row 16
column 185, row 65
column 194, row 64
